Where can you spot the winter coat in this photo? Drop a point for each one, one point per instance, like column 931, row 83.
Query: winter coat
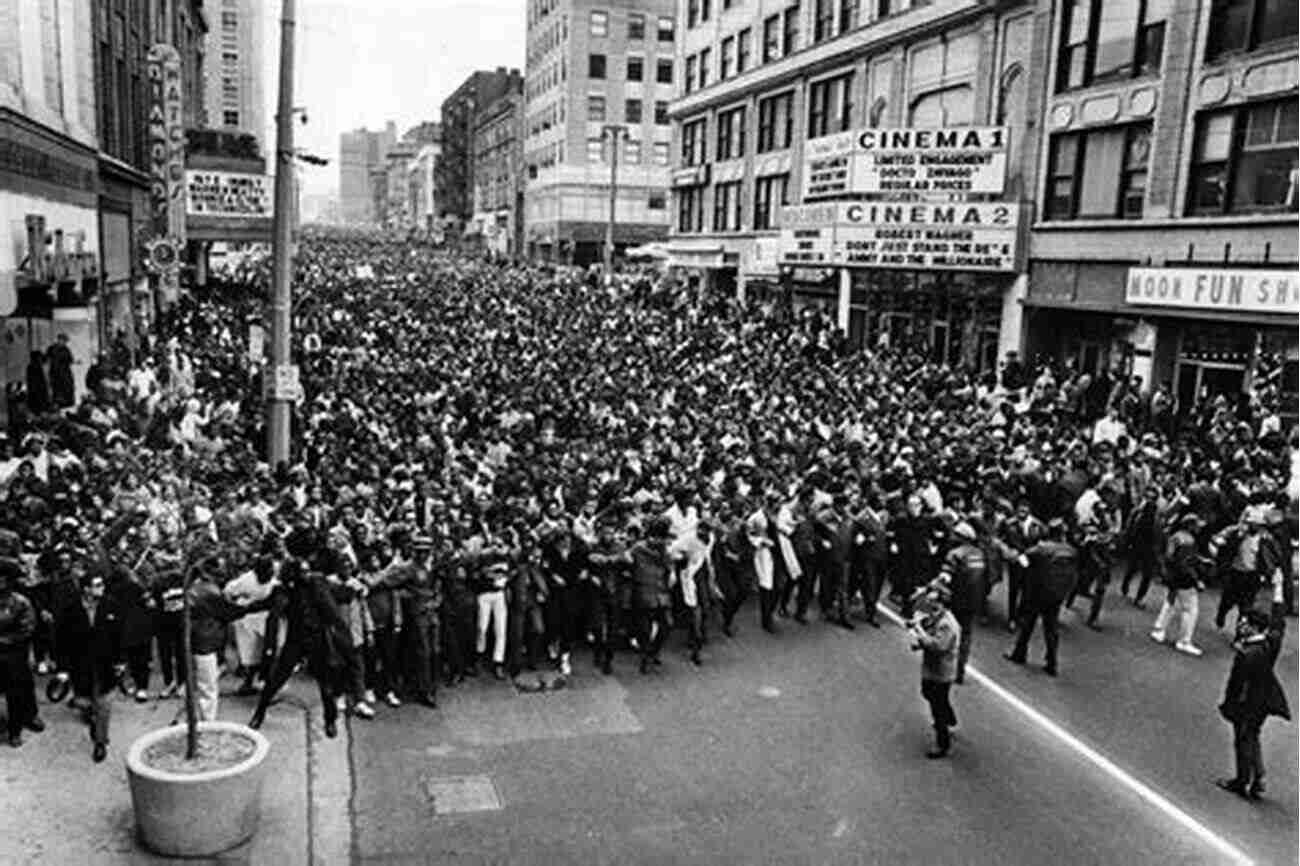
column 651, row 570
column 88, row 650
column 17, row 623
column 1053, row 572
column 1253, row 692
column 939, row 640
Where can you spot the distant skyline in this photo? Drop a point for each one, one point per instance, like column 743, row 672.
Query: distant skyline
column 366, row 62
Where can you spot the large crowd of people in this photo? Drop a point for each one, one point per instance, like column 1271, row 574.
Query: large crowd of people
column 499, row 466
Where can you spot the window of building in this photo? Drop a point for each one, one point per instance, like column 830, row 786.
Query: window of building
column 636, row 25
column 596, row 108
column 731, row 134
column 599, row 23
column 1245, row 159
column 1098, row 174
column 954, row 106
column 726, row 207
column 692, row 13
column 771, row 38
column 632, row 151
column 743, row 48
column 664, row 71
column 885, row 8
column 635, row 68
column 848, row 15
column 693, row 144
column 690, row 209
column 830, row 105
column 661, row 113
column 230, row 118
column 229, row 57
column 595, row 65
column 229, row 21
column 790, row 33
column 661, row 153
column 726, row 58
column 1244, row 25
column 705, row 59
column 656, row 201
column 1107, row 40
column 705, row 10
column 823, row 20
column 666, row 30
column 632, row 111
column 770, row 193
column 775, row 122
column 689, row 73
column 595, row 150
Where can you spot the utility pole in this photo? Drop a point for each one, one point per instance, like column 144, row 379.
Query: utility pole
column 614, row 132
column 277, row 374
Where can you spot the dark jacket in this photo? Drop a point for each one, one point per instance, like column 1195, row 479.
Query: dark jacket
column 967, row 572
column 1183, row 564
column 651, row 568
column 210, row 613
column 17, row 623
column 1254, row 692
column 1053, row 572
column 137, row 607
column 89, row 650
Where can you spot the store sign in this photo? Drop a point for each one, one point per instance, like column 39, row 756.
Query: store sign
column 166, row 141
column 968, row 237
column 1239, row 291
column 227, row 194
column 696, row 175
column 958, row 160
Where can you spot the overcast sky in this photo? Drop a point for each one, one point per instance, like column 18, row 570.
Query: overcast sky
column 364, row 62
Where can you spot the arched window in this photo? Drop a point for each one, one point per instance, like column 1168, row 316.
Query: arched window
column 1012, row 114
column 877, row 113
column 953, row 106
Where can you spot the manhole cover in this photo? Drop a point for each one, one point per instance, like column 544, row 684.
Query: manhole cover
column 452, row 795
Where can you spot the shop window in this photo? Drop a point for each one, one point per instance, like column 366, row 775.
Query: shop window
column 731, row 134
column 743, row 48
column 599, row 23
column 693, row 146
column 775, row 122
column 596, row 108
column 1098, row 174
column 726, row 207
column 690, row 209
column 636, row 26
column 596, row 66
column 1244, row 159
column 951, row 107
column 664, row 71
column 823, row 20
column 635, row 68
column 771, row 38
column 770, row 193
column 1108, row 40
column 1245, row 25
column 830, row 105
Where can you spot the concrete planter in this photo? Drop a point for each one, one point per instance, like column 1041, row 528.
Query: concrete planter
column 199, row 814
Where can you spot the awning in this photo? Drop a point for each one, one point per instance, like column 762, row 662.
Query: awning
column 1279, row 320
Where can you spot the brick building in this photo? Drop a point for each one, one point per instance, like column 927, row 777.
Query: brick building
column 460, row 113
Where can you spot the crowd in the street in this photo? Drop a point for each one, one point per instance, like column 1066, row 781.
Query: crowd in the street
column 500, row 466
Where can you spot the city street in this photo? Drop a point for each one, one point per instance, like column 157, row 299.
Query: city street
column 809, row 747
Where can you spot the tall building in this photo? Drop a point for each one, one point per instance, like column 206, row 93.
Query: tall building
column 360, row 153
column 1164, row 241
column 459, row 115
column 600, row 75
column 421, row 184
column 498, row 174
column 886, row 122
column 233, row 67
column 397, row 200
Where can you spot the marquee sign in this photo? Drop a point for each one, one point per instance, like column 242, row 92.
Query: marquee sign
column 1242, row 290
column 971, row 237
column 958, row 160
column 227, row 194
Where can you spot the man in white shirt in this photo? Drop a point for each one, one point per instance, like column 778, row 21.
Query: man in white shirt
column 1108, row 429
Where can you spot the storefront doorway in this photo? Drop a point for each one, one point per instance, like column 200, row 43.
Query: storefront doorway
column 1208, row 379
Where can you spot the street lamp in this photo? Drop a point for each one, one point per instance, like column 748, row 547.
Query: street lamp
column 613, row 132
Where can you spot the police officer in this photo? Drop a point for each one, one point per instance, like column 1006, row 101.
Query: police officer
column 1051, row 568
column 422, row 601
column 965, row 572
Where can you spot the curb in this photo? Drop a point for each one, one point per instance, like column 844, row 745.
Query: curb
column 329, row 782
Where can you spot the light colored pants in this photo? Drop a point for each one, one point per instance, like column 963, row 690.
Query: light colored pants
column 250, row 637
column 492, row 609
column 1187, row 606
column 207, row 691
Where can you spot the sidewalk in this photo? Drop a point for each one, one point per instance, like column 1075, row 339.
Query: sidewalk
column 60, row 807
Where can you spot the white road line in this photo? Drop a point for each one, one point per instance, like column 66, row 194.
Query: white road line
column 1101, row 762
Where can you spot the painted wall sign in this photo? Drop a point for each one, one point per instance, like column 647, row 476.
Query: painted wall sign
column 955, row 160
column 1240, row 290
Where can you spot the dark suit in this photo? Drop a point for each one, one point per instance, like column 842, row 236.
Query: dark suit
column 89, row 647
column 1052, row 573
column 1253, row 694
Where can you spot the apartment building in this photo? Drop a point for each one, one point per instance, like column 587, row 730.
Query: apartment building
column 774, row 100
column 460, row 115
column 233, row 68
column 361, row 151
column 499, row 174
column 600, row 75
column 1164, row 240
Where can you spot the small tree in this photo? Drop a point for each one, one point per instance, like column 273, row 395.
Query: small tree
column 196, row 550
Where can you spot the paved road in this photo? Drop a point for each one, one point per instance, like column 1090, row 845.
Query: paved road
column 808, row 748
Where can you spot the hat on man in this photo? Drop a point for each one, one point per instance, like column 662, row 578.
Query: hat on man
column 964, row 530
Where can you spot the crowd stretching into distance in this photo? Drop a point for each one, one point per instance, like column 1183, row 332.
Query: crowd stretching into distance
column 501, row 469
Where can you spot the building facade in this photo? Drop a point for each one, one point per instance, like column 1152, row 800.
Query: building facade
column 460, row 114
column 774, row 100
column 397, row 198
column 234, row 89
column 600, row 77
column 1164, row 243
column 421, row 184
column 361, row 151
column 498, row 174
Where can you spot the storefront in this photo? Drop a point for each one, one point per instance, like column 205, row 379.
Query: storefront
column 126, row 304
column 1203, row 330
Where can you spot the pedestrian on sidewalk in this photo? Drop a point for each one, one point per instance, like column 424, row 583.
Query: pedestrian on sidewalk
column 210, row 613
column 17, row 625
column 937, row 636
column 89, row 640
column 1183, row 581
column 1253, row 692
